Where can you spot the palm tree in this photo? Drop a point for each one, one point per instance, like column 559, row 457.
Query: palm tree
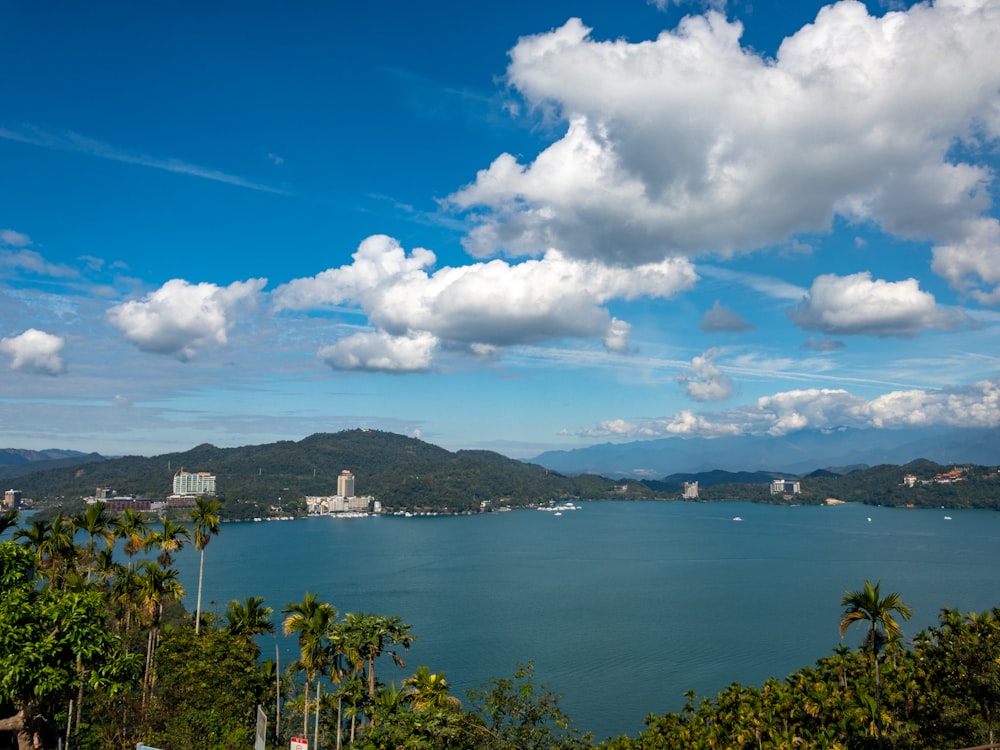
column 367, row 638
column 172, row 539
column 52, row 546
column 206, row 525
column 35, row 538
column 9, row 519
column 246, row 620
column 156, row 584
column 312, row 619
column 133, row 529
column 870, row 606
column 95, row 522
column 426, row 690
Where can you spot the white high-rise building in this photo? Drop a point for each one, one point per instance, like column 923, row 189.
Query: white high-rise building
column 191, row 483
column 345, row 484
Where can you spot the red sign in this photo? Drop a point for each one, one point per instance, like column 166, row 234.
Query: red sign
column 299, row 744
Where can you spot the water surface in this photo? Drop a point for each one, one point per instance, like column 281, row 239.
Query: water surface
column 622, row 606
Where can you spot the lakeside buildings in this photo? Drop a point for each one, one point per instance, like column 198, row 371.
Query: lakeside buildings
column 345, row 501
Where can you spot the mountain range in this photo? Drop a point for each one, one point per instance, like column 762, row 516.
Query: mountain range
column 794, row 454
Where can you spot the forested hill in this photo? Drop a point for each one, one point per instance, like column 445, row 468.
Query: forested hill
column 399, row 471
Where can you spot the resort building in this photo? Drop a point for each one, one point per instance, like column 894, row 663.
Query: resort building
column 320, row 505
column 786, row 487
column 345, row 484
column 190, row 483
column 690, row 491
column 12, row 499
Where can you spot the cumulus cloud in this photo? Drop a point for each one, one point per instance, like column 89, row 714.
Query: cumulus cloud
column 484, row 305
column 703, row 380
column 381, row 352
column 856, row 304
column 976, row 405
column 691, row 143
column 721, row 319
column 181, row 318
column 35, row 352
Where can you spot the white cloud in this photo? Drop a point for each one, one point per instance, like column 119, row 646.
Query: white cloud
column 721, row 319
column 703, row 380
column 691, row 143
column 855, row 304
column 976, row 405
column 14, row 239
column 35, row 352
column 181, row 318
column 381, row 352
column 34, row 263
column 485, row 304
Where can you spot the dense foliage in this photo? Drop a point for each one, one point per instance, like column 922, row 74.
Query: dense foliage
column 99, row 654
column 401, row 472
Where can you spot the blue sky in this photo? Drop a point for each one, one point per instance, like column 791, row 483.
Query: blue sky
column 516, row 227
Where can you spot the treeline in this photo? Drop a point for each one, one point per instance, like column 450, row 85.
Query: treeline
column 401, row 472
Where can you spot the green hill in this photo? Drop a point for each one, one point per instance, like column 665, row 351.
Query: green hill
column 975, row 487
column 401, row 472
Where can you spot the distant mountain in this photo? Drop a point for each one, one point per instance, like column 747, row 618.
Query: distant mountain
column 16, row 463
column 794, row 454
column 17, row 456
column 399, row 471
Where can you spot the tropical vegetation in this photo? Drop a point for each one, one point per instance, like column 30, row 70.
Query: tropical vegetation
column 100, row 654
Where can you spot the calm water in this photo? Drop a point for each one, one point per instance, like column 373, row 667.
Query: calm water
column 622, row 606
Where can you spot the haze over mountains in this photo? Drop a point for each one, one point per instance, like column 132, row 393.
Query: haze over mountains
column 797, row 453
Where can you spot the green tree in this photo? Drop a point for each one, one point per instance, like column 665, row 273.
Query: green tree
column 367, row 636
column 134, row 531
column 97, row 523
column 205, row 517
column 312, row 620
column 156, row 585
column 206, row 692
column 169, row 540
column 429, row 690
column 868, row 605
column 9, row 519
column 45, row 635
column 515, row 714
column 247, row 619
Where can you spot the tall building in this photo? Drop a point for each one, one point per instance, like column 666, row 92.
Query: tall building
column 345, row 484
column 191, row 483
column 786, row 486
column 12, row 499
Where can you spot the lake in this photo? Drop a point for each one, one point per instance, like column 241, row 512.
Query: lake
column 622, row 606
